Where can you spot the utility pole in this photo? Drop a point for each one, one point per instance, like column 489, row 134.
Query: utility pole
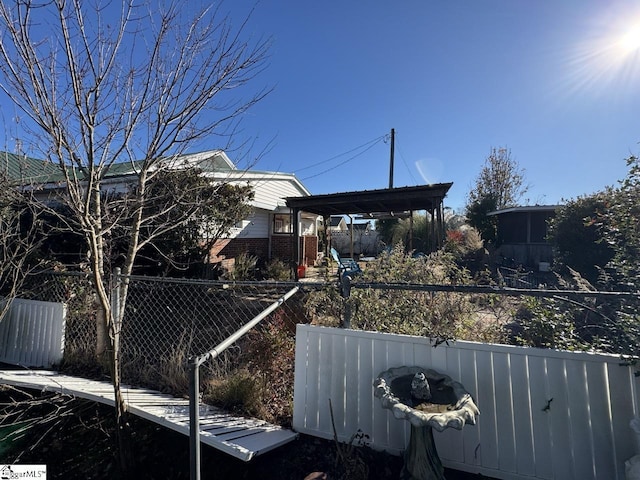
column 393, row 140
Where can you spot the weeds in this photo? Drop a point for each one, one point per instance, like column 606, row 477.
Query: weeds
column 244, row 268
column 240, row 392
column 348, row 456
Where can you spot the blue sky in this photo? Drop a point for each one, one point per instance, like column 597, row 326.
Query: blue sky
column 550, row 80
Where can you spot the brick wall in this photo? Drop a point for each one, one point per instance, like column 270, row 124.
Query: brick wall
column 310, row 249
column 226, row 249
column 281, row 247
column 231, row 248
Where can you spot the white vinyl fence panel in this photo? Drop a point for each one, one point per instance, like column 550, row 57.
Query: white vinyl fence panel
column 32, row 333
column 364, row 243
column 544, row 414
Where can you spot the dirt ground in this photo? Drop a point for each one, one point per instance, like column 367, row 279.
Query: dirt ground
column 76, row 440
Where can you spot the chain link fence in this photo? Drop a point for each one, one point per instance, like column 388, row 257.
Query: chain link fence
column 76, row 291
column 165, row 322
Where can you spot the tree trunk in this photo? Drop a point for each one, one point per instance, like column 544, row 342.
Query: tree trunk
column 101, row 335
column 122, row 425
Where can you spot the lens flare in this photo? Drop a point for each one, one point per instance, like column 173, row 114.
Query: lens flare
column 430, row 169
column 605, row 58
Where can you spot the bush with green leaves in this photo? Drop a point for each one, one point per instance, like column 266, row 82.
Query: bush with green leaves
column 588, row 325
column 443, row 315
column 325, row 306
column 595, row 322
column 596, row 241
column 276, row 269
column 577, row 236
column 621, row 225
column 244, row 268
column 546, row 323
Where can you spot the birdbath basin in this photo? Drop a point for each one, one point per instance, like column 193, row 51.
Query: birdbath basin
column 428, row 400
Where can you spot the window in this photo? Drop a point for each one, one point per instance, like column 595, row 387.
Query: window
column 512, row 228
column 282, row 223
column 539, row 227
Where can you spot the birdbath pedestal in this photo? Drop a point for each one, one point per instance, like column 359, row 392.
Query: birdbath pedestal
column 427, row 400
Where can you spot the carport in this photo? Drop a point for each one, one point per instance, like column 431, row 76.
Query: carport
column 383, row 203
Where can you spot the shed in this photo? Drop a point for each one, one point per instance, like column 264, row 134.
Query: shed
column 522, row 234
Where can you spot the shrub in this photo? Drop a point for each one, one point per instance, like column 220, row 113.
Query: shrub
column 593, row 324
column 244, row 268
column 543, row 323
column 325, row 307
column 444, row 315
column 263, row 385
column 240, row 392
column 577, row 236
column 276, row 269
column 467, row 247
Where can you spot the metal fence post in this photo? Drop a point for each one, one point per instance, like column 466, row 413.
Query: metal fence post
column 194, row 418
column 115, row 292
column 345, row 292
column 194, row 380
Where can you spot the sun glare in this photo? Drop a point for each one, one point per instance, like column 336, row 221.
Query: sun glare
column 630, row 41
column 606, row 59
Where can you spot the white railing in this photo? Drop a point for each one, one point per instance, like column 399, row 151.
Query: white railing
column 544, row 414
column 32, row 333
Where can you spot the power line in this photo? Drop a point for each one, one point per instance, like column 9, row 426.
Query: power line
column 344, row 162
column 405, row 163
column 370, row 144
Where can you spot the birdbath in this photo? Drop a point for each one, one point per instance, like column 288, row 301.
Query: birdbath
column 428, row 400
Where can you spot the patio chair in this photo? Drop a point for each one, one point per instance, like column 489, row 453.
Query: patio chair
column 345, row 265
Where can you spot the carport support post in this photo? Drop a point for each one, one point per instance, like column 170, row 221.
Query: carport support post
column 296, row 242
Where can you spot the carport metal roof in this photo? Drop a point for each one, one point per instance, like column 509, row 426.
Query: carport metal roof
column 421, row 197
column 365, row 202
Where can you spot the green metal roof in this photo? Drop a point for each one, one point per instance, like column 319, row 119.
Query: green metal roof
column 20, row 168
column 24, row 169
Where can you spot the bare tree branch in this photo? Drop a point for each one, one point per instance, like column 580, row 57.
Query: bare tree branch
column 138, row 86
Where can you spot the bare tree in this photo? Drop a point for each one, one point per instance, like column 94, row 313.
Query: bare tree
column 501, row 179
column 132, row 81
column 500, row 184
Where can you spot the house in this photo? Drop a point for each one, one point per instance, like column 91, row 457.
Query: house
column 266, row 233
column 362, row 228
column 522, row 235
column 337, row 224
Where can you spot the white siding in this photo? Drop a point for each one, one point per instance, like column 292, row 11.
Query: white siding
column 270, row 192
column 270, row 188
column 255, row 226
